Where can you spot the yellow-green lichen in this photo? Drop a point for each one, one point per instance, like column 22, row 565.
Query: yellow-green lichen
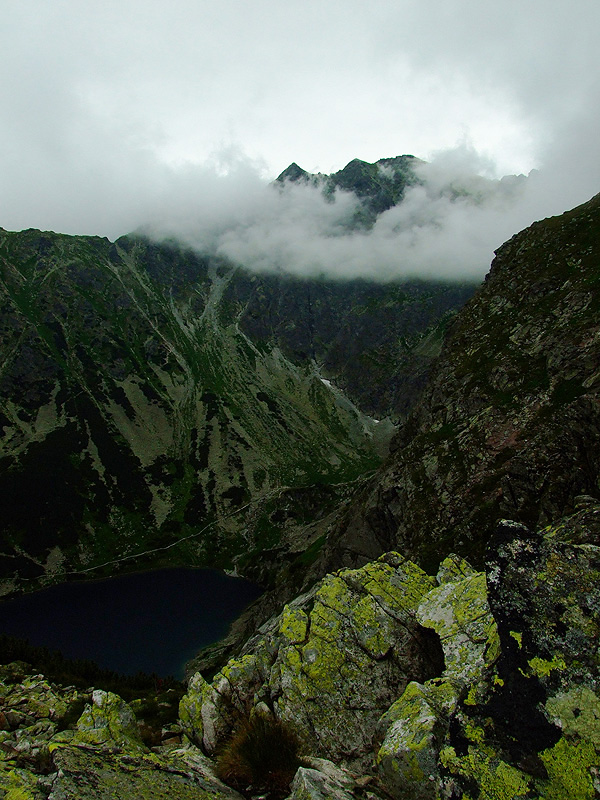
column 577, row 712
column 294, row 625
column 568, row 765
column 474, row 733
column 190, row 707
column 20, row 794
column 542, row 667
column 496, row 779
column 240, row 669
column 372, row 626
column 454, row 567
column 107, row 721
column 471, row 698
column 518, row 637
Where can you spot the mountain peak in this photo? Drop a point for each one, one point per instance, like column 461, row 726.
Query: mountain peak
column 293, row 173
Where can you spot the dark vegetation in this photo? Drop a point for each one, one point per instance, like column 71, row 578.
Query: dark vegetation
column 261, row 755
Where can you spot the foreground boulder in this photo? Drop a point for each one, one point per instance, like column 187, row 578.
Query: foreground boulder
column 510, row 706
column 417, row 724
column 107, row 721
column 371, row 665
column 330, row 665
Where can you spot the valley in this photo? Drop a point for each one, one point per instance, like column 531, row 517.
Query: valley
column 160, row 407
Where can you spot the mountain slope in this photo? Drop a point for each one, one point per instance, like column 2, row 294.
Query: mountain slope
column 509, row 425
column 135, row 413
column 375, row 341
column 157, row 402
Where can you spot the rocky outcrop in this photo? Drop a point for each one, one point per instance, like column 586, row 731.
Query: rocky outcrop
column 514, row 709
column 322, row 780
column 354, row 669
column 107, row 721
column 329, row 665
column 416, row 725
column 531, row 728
column 51, row 749
column 509, row 425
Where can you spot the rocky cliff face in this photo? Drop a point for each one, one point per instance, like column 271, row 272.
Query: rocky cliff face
column 509, row 425
column 374, row 341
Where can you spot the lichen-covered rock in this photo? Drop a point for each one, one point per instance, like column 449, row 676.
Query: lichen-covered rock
column 532, row 729
column 20, row 784
column 107, row 712
column 46, row 755
column 208, row 712
column 31, row 711
column 198, row 712
column 513, row 709
column 102, row 775
column 105, row 722
column 459, row 612
column 30, row 697
column 415, row 726
column 577, row 713
column 331, row 664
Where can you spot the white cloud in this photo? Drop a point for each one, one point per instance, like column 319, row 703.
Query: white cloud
column 446, row 227
column 109, row 114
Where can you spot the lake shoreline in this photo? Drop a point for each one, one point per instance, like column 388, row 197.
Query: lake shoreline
column 149, row 620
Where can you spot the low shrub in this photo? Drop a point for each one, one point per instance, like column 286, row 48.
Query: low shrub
column 262, row 754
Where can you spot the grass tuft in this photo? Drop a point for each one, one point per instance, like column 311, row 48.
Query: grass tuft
column 262, row 754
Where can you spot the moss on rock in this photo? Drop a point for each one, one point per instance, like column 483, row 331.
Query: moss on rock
column 332, row 662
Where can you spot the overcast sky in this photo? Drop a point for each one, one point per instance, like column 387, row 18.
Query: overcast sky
column 116, row 114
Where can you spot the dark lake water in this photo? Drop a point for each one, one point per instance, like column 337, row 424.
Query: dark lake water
column 149, row 621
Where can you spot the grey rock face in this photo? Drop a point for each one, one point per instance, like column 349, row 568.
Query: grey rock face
column 509, row 425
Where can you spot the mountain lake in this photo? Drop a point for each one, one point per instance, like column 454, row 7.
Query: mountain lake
column 148, row 621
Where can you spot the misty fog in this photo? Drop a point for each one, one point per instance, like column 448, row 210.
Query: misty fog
column 446, row 227
column 175, row 118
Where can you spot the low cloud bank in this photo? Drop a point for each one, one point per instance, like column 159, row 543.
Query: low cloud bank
column 446, row 227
